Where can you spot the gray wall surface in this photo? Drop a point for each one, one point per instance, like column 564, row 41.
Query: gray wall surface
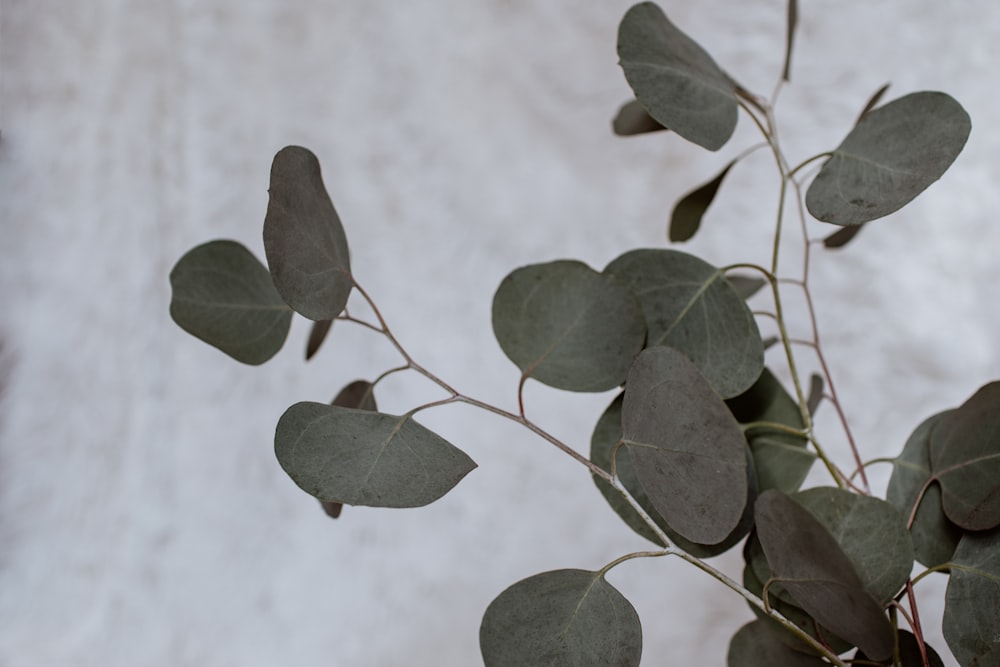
column 143, row 518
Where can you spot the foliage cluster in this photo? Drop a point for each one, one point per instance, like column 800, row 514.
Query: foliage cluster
column 703, row 448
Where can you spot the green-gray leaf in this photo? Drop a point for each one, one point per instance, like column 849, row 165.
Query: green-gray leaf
column 688, row 304
column 688, row 212
column 317, row 335
column 568, row 326
column 359, row 395
column 633, row 119
column 676, row 81
column 909, row 653
column 893, row 154
column 757, row 645
column 934, row 537
column 571, row 618
column 304, row 241
column 965, row 458
column 223, row 295
column 688, row 451
column 871, row 532
column 358, row 457
column 971, row 621
column 817, row 573
column 782, row 460
column 607, row 434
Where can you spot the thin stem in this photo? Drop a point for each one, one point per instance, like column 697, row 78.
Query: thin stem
column 915, row 622
column 943, row 567
column 627, row 557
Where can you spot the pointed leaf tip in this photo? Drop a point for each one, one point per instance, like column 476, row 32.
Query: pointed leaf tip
column 303, row 238
column 688, row 212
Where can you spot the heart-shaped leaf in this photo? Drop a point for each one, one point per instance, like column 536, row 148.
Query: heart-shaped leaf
column 934, row 536
column 757, row 645
column 894, row 153
column 782, row 460
column 223, row 295
column 688, row 212
column 676, row 81
column 817, row 573
column 688, row 451
column 633, row 119
column 563, row 617
column 971, row 620
column 965, row 458
column 303, row 238
column 607, row 434
column 568, row 326
column 689, row 305
column 358, row 457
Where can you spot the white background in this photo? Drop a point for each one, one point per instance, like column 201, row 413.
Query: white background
column 143, row 518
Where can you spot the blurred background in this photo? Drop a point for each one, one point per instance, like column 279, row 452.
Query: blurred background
column 144, row 520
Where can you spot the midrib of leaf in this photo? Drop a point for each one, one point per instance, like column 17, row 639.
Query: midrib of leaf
column 665, row 448
column 579, row 604
column 877, row 165
column 690, row 304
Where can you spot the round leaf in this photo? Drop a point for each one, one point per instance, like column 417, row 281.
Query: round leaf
column 688, row 304
column 687, row 449
column 358, row 457
column 817, row 573
column 573, row 618
column 568, row 326
column 607, row 434
column 757, row 645
column 971, row 621
column 675, row 79
column 305, row 243
column 934, row 537
column 223, row 295
column 965, row 458
column 893, row 154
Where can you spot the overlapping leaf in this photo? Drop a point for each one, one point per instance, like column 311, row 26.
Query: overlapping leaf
column 305, row 243
column 689, row 305
column 934, row 536
column 971, row 621
column 676, row 81
column 782, row 460
column 688, row 451
column 561, row 618
column 756, row 644
column 359, row 457
column 360, row 396
column 607, row 434
column 223, row 295
column 893, row 154
column 909, row 653
column 820, row 577
column 568, row 326
column 965, row 459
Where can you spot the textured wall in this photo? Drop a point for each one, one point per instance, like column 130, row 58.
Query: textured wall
column 143, row 518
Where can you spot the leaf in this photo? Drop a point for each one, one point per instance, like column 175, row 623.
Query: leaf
column 632, row 119
column 909, row 653
column 746, row 286
column 872, row 101
column 971, row 620
column 871, row 533
column 674, row 79
column 791, row 23
column 813, row 568
column 757, row 645
column 316, row 336
column 842, row 236
column 357, row 457
column 303, row 238
column 782, row 460
column 357, row 395
column 564, row 617
column 934, row 537
column 689, row 305
column 965, row 458
column 893, row 154
column 567, row 326
column 815, row 393
column 607, row 434
column 223, row 295
column 687, row 214
column 687, row 449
